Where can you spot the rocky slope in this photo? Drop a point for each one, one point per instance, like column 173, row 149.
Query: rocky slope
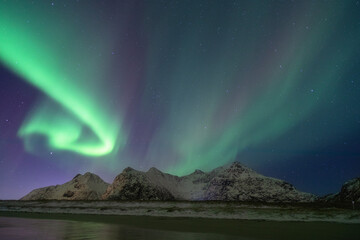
column 232, row 182
column 349, row 192
column 136, row 185
column 239, row 183
column 82, row 187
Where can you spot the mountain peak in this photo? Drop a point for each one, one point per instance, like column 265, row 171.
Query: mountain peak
column 85, row 175
column 77, row 175
column 235, row 165
column 198, row 171
column 82, row 187
column 128, row 169
column 153, row 169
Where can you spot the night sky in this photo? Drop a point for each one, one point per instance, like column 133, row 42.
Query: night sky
column 179, row 85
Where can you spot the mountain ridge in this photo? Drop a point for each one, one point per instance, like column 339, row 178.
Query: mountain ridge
column 231, row 182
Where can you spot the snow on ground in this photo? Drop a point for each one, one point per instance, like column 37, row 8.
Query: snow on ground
column 219, row 210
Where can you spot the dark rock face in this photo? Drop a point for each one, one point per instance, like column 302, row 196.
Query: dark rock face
column 349, row 192
column 68, row 194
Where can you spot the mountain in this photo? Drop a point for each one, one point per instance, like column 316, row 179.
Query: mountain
column 136, row 185
column 232, row 182
column 350, row 191
column 82, row 187
column 238, row 183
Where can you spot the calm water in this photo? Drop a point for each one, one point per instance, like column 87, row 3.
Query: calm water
column 22, row 228
column 41, row 226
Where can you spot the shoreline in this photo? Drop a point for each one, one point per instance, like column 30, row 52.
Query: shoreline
column 243, row 229
column 193, row 210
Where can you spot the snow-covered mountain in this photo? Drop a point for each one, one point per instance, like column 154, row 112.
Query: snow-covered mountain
column 136, row 185
column 82, row 187
column 232, row 182
column 350, row 191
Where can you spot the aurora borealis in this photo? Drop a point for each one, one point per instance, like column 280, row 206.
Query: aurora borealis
column 72, row 89
column 180, row 85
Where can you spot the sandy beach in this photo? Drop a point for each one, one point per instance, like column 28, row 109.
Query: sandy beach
column 214, row 210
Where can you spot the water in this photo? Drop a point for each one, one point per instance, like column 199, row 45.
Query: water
column 28, row 229
column 16, row 226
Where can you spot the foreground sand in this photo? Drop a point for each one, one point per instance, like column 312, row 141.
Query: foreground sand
column 216, row 210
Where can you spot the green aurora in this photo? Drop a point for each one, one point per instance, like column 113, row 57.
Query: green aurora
column 196, row 90
column 45, row 58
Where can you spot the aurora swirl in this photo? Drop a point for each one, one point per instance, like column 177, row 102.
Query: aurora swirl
column 181, row 85
column 72, row 102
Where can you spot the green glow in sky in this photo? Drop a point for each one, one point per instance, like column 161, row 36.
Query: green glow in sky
column 190, row 86
column 69, row 75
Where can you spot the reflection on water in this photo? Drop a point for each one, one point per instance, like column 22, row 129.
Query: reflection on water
column 29, row 229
